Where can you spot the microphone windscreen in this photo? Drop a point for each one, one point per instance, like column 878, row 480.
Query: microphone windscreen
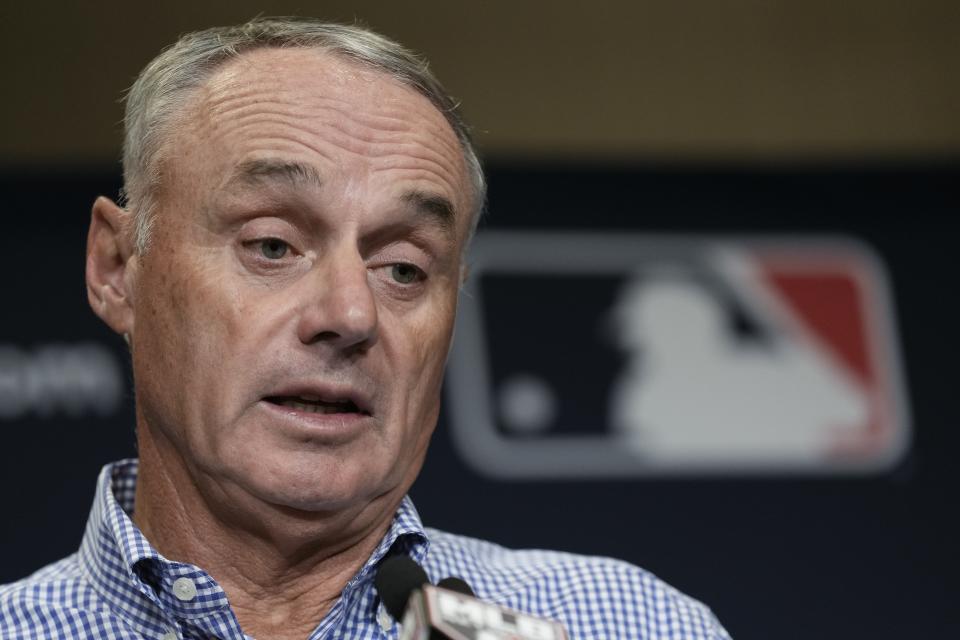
column 398, row 577
column 453, row 583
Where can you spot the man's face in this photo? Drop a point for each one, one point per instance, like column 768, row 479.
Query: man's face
column 294, row 311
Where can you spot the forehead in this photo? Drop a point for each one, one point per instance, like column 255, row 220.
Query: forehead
column 302, row 72
column 315, row 107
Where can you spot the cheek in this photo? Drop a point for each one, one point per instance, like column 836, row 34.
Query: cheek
column 428, row 343
column 185, row 323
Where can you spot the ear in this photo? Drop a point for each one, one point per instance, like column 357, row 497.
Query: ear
column 111, row 265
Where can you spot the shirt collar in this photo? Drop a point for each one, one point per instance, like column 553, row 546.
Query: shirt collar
column 406, row 535
column 125, row 568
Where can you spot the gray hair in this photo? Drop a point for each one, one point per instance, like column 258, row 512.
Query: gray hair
column 162, row 87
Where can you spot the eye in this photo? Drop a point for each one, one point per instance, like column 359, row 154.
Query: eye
column 273, row 248
column 404, row 273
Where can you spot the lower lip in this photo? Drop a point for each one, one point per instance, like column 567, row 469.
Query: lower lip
column 327, row 426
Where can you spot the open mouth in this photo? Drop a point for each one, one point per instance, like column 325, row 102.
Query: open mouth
column 314, row 404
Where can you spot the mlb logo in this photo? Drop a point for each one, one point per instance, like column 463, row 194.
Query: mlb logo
column 591, row 355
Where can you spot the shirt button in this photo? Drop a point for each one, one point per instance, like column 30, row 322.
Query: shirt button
column 384, row 619
column 184, row 589
column 170, row 635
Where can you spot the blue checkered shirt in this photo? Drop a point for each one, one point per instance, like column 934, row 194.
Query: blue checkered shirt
column 118, row 586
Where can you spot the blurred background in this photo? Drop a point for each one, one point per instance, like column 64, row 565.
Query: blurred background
column 785, row 170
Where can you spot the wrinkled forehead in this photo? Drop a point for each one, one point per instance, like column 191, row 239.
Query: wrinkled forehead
column 298, row 68
column 311, row 88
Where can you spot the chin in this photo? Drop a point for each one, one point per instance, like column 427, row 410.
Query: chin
column 312, row 486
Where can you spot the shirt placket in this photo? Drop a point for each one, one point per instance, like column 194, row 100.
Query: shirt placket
column 197, row 604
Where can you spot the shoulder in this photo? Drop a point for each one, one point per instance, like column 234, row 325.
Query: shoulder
column 594, row 597
column 55, row 602
column 50, row 583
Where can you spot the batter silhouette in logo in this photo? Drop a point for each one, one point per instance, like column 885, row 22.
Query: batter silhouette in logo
column 693, row 391
column 715, row 355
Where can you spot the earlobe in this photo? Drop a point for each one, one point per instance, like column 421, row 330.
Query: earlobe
column 110, row 263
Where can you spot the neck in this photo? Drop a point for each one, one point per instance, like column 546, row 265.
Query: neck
column 282, row 569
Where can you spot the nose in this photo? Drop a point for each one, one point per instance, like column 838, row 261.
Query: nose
column 340, row 308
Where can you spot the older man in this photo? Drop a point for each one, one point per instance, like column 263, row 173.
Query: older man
column 285, row 269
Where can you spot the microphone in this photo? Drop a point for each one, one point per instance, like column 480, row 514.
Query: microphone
column 450, row 610
column 453, row 583
column 398, row 577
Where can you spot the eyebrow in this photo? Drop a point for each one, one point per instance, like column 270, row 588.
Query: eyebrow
column 434, row 206
column 254, row 172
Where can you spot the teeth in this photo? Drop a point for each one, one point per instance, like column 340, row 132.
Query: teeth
column 313, row 408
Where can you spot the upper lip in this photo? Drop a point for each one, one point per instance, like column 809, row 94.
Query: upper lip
column 325, row 393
